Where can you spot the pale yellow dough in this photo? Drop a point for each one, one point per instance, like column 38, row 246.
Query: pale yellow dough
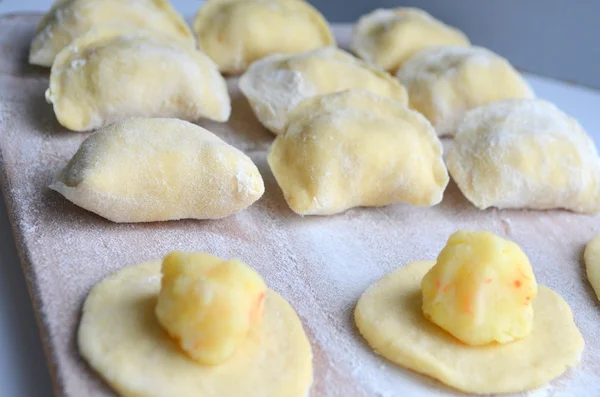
column 389, row 317
column 354, row 148
column 525, row 153
column 389, row 37
column 235, row 33
column 119, row 336
column 274, row 86
column 144, row 170
column 69, row 19
column 591, row 257
column 112, row 74
column 445, row 82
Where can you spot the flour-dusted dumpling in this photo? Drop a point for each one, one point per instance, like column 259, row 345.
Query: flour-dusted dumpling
column 69, row 19
column 389, row 37
column 106, row 76
column 445, row 82
column 525, row 153
column 354, row 148
column 275, row 85
column 235, row 33
column 144, row 170
column 591, row 257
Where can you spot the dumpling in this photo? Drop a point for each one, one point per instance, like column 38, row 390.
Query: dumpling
column 235, row 33
column 591, row 258
column 145, row 170
column 69, row 19
column 121, row 338
column 389, row 316
column 354, row 148
column 445, row 82
column 276, row 84
column 525, row 153
column 389, row 37
column 105, row 76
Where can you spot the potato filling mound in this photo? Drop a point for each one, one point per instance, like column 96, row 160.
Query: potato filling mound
column 480, row 289
column 207, row 305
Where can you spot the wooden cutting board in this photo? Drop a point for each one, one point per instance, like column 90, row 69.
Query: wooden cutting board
column 320, row 264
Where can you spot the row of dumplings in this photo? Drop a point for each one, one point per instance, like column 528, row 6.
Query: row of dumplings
column 117, row 59
column 113, row 59
column 233, row 33
column 339, row 146
column 342, row 150
column 354, row 148
column 338, row 118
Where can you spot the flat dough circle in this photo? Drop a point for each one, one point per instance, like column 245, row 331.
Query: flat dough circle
column 120, row 338
column 591, row 258
column 389, row 317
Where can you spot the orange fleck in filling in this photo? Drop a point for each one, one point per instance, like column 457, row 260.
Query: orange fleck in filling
column 518, row 283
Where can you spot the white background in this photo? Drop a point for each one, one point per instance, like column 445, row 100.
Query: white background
column 23, row 371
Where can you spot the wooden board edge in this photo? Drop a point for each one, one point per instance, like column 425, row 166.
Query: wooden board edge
column 25, row 257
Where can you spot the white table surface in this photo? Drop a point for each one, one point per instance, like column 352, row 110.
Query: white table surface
column 23, row 369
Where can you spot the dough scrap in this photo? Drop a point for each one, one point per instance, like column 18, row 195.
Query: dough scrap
column 389, row 317
column 389, row 37
column 480, row 289
column 591, row 258
column 354, row 148
column 112, row 74
column 525, row 154
column 235, row 33
column 445, row 82
column 69, row 19
column 119, row 336
column 278, row 83
column 145, row 170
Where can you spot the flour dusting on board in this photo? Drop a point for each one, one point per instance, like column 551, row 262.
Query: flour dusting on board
column 320, row 264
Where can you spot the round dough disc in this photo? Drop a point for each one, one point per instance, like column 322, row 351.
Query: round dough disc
column 591, row 257
column 389, row 317
column 121, row 338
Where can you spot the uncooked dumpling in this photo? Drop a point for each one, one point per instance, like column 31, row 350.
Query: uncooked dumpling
column 591, row 257
column 235, row 33
column 275, row 85
column 355, row 148
column 389, row 317
column 121, row 338
column 107, row 76
column 144, row 170
column 445, row 82
column 69, row 19
column 525, row 154
column 389, row 37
